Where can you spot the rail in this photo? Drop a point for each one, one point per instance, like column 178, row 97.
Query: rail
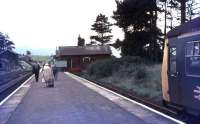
column 8, row 80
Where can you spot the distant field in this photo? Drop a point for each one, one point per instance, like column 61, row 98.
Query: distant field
column 40, row 58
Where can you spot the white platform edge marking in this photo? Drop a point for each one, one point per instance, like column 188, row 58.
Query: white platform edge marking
column 142, row 105
column 22, row 85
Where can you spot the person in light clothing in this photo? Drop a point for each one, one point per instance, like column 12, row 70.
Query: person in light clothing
column 48, row 76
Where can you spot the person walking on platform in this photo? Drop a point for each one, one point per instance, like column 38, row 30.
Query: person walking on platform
column 36, row 71
column 55, row 71
column 48, row 77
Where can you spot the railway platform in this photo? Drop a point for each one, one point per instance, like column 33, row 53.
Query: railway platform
column 74, row 100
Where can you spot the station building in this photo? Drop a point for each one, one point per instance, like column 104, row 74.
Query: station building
column 77, row 58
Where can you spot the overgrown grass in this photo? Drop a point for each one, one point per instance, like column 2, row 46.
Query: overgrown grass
column 129, row 73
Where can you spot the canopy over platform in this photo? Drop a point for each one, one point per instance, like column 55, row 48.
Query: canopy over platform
column 191, row 26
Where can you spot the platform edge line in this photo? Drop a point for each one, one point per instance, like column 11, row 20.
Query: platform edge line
column 142, row 105
column 5, row 99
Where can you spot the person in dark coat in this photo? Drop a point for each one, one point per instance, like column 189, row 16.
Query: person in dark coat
column 55, row 71
column 36, row 71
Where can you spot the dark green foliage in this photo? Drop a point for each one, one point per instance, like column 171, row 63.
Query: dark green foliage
column 138, row 19
column 103, row 68
column 81, row 41
column 28, row 52
column 117, row 44
column 5, row 43
column 140, row 74
column 133, row 74
column 102, row 27
column 107, row 67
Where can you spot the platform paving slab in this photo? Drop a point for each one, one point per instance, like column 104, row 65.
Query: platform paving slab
column 72, row 102
column 69, row 102
column 143, row 112
column 8, row 106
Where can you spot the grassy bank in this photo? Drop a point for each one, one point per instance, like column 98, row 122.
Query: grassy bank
column 129, row 73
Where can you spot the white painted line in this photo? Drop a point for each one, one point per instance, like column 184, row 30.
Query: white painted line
column 22, row 85
column 142, row 105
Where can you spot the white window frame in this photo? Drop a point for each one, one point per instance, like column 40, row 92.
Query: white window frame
column 88, row 58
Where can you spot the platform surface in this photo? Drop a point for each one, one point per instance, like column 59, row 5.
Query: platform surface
column 71, row 102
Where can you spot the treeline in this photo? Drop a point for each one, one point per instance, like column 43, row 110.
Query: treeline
column 5, row 42
column 139, row 21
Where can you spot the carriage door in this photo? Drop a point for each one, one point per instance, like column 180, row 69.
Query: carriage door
column 173, row 75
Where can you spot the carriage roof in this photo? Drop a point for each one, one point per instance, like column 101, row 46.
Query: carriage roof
column 188, row 27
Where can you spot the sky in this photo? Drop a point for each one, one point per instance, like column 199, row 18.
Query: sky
column 43, row 25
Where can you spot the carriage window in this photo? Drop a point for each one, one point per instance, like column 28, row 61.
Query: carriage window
column 196, row 48
column 173, row 60
column 189, row 49
column 193, row 58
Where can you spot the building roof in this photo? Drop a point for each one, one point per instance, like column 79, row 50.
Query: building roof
column 191, row 26
column 83, row 50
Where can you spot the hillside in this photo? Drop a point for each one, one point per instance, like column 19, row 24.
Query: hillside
column 40, row 58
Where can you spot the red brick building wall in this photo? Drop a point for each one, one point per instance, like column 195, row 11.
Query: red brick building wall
column 77, row 63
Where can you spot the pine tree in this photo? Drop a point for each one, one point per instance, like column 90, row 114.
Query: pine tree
column 117, row 44
column 81, row 41
column 103, row 29
column 138, row 19
column 5, row 42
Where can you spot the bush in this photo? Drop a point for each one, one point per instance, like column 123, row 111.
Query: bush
column 129, row 73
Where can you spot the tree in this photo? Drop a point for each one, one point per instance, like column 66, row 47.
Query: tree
column 5, row 42
column 138, row 19
column 117, row 44
column 188, row 8
column 81, row 41
column 192, row 9
column 168, row 7
column 28, row 53
column 2, row 41
column 103, row 29
column 183, row 10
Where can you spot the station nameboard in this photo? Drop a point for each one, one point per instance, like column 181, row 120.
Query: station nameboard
column 61, row 63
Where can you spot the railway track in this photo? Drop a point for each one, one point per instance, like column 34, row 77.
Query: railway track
column 10, row 81
column 177, row 114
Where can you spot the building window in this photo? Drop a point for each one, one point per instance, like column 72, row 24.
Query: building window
column 192, row 58
column 86, row 59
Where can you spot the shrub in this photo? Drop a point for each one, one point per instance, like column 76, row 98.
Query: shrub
column 129, row 73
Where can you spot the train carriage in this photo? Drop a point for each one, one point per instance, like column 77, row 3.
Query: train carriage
column 181, row 67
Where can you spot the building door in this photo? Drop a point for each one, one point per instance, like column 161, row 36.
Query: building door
column 173, row 73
